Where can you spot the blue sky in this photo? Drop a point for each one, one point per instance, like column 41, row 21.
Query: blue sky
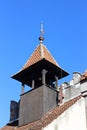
column 65, row 25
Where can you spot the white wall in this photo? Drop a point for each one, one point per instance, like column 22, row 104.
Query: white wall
column 72, row 119
column 84, row 87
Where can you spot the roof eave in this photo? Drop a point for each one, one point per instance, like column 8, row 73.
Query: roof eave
column 42, row 64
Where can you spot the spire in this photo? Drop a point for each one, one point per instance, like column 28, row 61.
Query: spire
column 41, row 38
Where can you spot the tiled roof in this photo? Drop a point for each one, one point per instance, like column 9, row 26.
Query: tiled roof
column 47, row 119
column 84, row 76
column 41, row 52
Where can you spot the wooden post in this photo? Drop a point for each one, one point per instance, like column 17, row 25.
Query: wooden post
column 56, row 78
column 44, row 76
column 22, row 88
column 33, row 84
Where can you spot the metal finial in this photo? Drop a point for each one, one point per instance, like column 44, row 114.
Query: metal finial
column 41, row 38
column 41, row 29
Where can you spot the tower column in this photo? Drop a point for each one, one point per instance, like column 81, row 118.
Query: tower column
column 56, row 83
column 44, row 76
column 33, row 84
column 22, row 88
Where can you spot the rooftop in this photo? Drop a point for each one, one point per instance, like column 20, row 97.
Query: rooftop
column 40, row 59
column 45, row 120
column 41, row 52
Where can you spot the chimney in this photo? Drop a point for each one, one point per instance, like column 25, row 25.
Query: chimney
column 14, row 110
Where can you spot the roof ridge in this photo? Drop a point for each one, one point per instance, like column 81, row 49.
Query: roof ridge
column 51, row 56
column 42, row 51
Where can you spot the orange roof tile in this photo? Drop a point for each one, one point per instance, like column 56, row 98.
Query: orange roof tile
column 41, row 52
column 45, row 120
column 84, row 76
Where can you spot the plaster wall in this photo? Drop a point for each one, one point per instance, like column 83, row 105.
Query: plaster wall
column 84, row 93
column 71, row 92
column 84, row 87
column 72, row 119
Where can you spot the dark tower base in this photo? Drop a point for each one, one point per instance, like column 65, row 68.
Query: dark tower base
column 36, row 103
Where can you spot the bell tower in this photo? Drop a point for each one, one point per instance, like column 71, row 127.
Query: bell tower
column 41, row 72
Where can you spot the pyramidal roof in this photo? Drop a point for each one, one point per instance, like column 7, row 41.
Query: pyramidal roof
column 40, row 58
column 40, row 53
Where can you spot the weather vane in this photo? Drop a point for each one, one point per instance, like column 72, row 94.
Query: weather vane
column 42, row 29
column 41, row 38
